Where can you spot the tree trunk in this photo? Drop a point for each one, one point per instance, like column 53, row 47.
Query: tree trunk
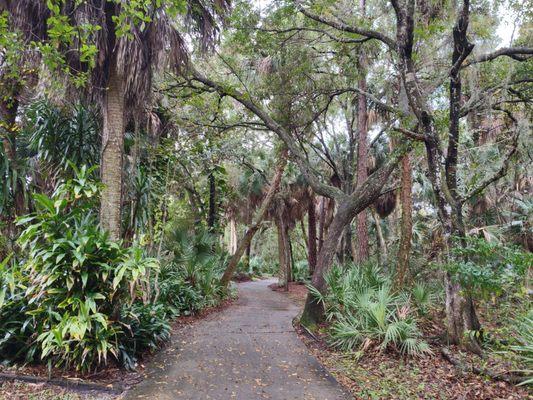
column 347, row 209
column 382, row 249
column 362, row 151
column 246, row 240
column 211, row 217
column 232, row 236
column 460, row 310
column 406, row 229
column 112, row 155
column 283, row 253
column 8, row 113
column 321, row 222
column 313, row 311
column 311, row 238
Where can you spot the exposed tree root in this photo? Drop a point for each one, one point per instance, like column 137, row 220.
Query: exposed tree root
column 508, row 377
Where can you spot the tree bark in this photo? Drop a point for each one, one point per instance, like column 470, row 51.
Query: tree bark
column 311, row 238
column 406, row 229
column 8, row 113
column 362, row 151
column 211, row 217
column 283, row 253
column 246, row 240
column 232, row 236
column 347, row 209
column 112, row 155
column 382, row 250
column 321, row 222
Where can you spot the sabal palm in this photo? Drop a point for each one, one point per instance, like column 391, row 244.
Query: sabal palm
column 121, row 74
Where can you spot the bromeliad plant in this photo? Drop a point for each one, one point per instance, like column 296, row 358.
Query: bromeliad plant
column 78, row 279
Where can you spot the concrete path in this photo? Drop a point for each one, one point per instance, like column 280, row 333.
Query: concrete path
column 248, row 351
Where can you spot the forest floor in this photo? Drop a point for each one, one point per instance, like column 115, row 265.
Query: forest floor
column 378, row 375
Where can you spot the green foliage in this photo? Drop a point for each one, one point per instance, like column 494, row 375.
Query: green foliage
column 72, row 283
column 190, row 280
column 15, row 328
column 366, row 313
column 300, row 271
column 145, row 328
column 484, row 267
column 422, row 298
column 54, row 136
column 524, row 348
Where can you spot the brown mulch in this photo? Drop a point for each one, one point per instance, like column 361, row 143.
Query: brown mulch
column 382, row 375
column 297, row 291
column 110, row 376
column 242, row 278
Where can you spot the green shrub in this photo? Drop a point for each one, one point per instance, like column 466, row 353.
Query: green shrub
column 300, row 271
column 145, row 328
column 422, row 298
column 484, row 267
column 14, row 328
column 73, row 281
column 190, row 280
column 365, row 312
column 524, row 348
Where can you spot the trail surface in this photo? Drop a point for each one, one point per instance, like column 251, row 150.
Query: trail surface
column 248, row 351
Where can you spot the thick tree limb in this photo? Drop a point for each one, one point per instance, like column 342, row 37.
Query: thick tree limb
column 411, row 134
column 516, row 53
column 320, row 31
column 505, row 377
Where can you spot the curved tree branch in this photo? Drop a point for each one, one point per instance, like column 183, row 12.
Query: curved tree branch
column 341, row 26
column 516, row 53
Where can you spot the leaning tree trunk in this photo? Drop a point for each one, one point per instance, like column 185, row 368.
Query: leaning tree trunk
column 112, row 155
column 406, row 228
column 246, row 240
column 347, row 209
column 314, row 311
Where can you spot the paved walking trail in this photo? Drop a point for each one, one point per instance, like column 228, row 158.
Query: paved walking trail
column 248, row 351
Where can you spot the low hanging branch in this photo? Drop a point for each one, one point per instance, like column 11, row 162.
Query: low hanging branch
column 245, row 241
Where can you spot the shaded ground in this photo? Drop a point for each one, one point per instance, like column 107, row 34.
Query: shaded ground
column 28, row 391
column 248, row 351
column 376, row 375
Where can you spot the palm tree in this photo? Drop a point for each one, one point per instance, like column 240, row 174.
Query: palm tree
column 20, row 23
column 129, row 50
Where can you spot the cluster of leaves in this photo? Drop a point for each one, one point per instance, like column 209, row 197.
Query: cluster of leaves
column 62, row 302
column 484, row 267
column 524, row 348
column 190, row 279
column 364, row 312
